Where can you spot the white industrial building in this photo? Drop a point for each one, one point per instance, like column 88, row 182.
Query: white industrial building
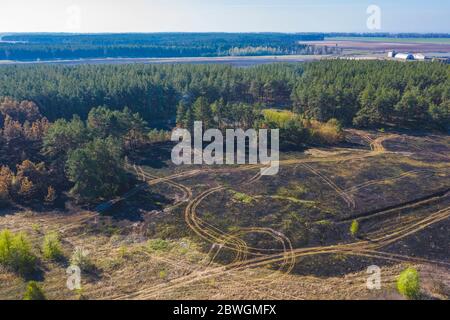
column 419, row 56
column 404, row 56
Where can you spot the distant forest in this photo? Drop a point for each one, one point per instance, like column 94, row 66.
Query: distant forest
column 157, row 45
column 54, row 46
column 371, row 94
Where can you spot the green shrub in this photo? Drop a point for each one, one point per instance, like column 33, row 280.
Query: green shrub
column 408, row 283
column 158, row 245
column 242, row 197
column 354, row 228
column 15, row 253
column 36, row 227
column 293, row 190
column 81, row 259
column 123, row 252
column 5, row 246
column 278, row 117
column 80, row 294
column 34, row 292
column 163, row 274
column 51, row 247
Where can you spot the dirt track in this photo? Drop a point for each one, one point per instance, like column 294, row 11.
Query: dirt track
column 249, row 257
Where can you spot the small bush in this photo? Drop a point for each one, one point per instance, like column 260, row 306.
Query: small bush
column 123, row 252
column 354, row 228
column 329, row 133
column 163, row 274
column 408, row 283
column 15, row 253
column 34, row 292
column 81, row 259
column 294, row 190
column 36, row 227
column 158, row 245
column 278, row 117
column 80, row 294
column 242, row 197
column 51, row 247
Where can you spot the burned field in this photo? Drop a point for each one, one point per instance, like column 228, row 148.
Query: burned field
column 212, row 232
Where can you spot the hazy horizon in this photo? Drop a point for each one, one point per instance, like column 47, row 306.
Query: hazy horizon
column 282, row 16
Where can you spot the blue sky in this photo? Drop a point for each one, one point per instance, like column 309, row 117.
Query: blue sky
column 221, row 15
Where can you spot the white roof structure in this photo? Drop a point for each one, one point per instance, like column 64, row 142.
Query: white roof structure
column 419, row 56
column 404, row 56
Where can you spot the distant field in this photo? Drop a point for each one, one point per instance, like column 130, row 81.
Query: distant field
column 385, row 44
column 398, row 40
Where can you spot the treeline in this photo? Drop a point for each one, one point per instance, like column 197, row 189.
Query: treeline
column 373, row 94
column 265, row 51
column 180, row 38
column 50, row 47
column 366, row 94
column 32, row 52
column 165, row 38
column 46, row 52
column 152, row 90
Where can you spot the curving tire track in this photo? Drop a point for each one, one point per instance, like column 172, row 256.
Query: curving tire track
column 288, row 256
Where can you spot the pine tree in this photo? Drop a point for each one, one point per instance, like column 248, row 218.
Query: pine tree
column 202, row 112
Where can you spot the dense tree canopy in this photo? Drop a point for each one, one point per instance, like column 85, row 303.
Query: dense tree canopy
column 361, row 93
column 65, row 154
column 63, row 136
column 96, row 169
column 375, row 93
